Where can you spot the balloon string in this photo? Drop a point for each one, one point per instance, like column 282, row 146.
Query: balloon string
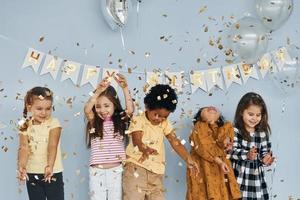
column 122, row 38
column 137, row 14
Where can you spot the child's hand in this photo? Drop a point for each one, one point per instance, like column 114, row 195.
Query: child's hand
column 252, row 154
column 48, row 174
column 22, row 175
column 224, row 167
column 102, row 86
column 146, row 152
column 121, row 80
column 193, row 166
column 228, row 144
column 268, row 159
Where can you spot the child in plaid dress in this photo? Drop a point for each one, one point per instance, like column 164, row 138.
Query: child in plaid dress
column 251, row 147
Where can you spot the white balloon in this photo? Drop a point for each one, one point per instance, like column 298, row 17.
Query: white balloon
column 115, row 12
column 248, row 39
column 273, row 13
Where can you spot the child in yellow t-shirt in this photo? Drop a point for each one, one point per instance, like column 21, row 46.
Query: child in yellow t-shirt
column 39, row 155
column 145, row 164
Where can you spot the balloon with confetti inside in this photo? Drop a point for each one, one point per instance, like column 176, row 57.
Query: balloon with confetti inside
column 248, row 39
column 273, row 14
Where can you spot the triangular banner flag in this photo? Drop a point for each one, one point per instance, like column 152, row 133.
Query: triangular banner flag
column 90, row 75
column 214, row 78
column 248, row 70
column 51, row 65
column 231, row 74
column 175, row 80
column 265, row 63
column 70, row 70
column 33, row 59
column 197, row 80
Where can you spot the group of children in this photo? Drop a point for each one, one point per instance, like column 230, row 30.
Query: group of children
column 127, row 154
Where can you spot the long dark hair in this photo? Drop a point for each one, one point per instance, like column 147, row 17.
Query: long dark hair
column 31, row 95
column 247, row 100
column 198, row 117
column 119, row 118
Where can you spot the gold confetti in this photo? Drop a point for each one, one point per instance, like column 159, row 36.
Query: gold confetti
column 202, row 9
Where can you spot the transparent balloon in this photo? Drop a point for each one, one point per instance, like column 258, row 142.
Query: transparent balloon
column 116, row 12
column 287, row 78
column 248, row 39
column 273, row 14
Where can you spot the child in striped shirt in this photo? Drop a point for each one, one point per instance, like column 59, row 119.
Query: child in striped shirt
column 105, row 136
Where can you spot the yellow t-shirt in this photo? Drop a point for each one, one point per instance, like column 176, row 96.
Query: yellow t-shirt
column 38, row 136
column 153, row 136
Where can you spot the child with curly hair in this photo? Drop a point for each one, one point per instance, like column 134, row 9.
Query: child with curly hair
column 145, row 165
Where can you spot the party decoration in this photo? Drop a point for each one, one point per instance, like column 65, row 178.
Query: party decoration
column 288, row 74
column 70, row 70
column 248, row 39
column 231, row 74
column 175, row 80
column 90, row 75
column 51, row 65
column 273, row 14
column 198, row 81
column 115, row 12
column 247, row 71
column 282, row 64
column 33, row 59
column 213, row 78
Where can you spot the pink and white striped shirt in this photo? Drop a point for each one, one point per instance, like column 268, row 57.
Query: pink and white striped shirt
column 110, row 149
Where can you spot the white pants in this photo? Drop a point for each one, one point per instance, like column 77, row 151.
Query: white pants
column 106, row 184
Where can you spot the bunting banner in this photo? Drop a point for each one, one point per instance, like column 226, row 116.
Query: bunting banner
column 33, row 59
column 247, row 71
column 197, row 80
column 206, row 79
column 280, row 57
column 109, row 74
column 90, row 75
column 265, row 64
column 152, row 78
column 231, row 74
column 213, row 78
column 175, row 80
column 51, row 65
column 70, row 70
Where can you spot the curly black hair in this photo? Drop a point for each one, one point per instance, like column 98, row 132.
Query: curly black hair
column 161, row 96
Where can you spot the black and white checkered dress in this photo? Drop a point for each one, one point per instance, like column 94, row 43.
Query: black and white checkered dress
column 250, row 173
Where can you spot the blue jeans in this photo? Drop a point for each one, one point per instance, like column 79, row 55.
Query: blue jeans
column 38, row 189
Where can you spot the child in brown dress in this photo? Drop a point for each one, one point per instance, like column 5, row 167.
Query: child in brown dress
column 210, row 140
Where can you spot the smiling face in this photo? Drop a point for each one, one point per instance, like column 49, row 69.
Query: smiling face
column 210, row 114
column 104, row 107
column 41, row 110
column 156, row 116
column 251, row 117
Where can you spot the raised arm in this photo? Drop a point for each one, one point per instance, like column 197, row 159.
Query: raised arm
column 121, row 80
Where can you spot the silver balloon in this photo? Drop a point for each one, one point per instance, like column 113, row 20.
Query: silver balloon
column 116, row 12
column 273, row 13
column 248, row 39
